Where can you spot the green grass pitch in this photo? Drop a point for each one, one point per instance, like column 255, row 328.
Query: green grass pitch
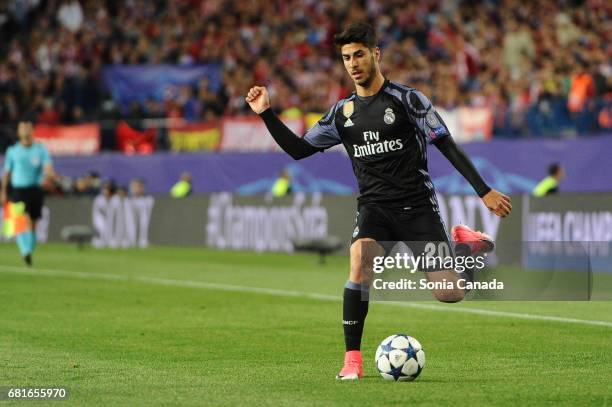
column 180, row 326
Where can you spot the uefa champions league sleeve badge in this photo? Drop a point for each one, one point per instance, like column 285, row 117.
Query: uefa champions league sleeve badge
column 432, row 120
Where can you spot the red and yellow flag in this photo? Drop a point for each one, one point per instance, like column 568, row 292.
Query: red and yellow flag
column 15, row 219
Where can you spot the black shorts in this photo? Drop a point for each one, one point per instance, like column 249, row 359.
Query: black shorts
column 33, row 197
column 421, row 229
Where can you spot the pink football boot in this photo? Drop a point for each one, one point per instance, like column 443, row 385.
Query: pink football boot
column 478, row 242
column 353, row 366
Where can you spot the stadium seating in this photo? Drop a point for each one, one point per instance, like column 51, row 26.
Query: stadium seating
column 521, row 59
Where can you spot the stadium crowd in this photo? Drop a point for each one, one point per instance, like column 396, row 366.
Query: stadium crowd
column 543, row 66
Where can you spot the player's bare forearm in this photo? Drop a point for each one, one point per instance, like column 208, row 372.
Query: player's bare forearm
column 259, row 101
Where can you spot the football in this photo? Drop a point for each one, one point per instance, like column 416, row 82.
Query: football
column 400, row 358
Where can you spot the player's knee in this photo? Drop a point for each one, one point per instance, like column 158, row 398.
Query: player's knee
column 449, row 295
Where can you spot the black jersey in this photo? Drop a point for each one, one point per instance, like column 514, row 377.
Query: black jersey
column 386, row 137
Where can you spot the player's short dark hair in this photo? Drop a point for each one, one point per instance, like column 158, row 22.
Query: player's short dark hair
column 554, row 168
column 361, row 33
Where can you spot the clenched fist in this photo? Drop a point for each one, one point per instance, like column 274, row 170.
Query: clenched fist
column 497, row 203
column 258, row 98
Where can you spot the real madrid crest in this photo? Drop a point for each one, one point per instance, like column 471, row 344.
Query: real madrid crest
column 348, row 108
column 389, row 117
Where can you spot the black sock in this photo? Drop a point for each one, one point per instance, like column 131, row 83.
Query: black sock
column 354, row 312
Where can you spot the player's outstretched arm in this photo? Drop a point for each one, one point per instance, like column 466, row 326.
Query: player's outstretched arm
column 497, row 202
column 259, row 101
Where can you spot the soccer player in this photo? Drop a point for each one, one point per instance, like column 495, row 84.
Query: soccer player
column 384, row 127
column 26, row 163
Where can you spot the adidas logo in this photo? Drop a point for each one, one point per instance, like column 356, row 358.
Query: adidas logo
column 348, row 123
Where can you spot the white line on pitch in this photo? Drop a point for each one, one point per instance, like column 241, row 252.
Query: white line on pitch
column 290, row 293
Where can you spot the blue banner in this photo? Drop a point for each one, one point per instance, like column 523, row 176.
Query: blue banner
column 141, row 82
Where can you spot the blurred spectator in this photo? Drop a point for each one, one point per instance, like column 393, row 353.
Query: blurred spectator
column 282, row 186
column 137, row 188
column 87, row 185
column 566, row 30
column 108, row 189
column 518, row 47
column 48, row 115
column 209, row 104
column 582, row 89
column 183, row 187
column 580, row 99
column 188, row 103
column 550, row 184
column 121, row 192
column 70, row 15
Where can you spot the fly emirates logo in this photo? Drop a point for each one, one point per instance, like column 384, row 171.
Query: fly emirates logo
column 373, row 145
